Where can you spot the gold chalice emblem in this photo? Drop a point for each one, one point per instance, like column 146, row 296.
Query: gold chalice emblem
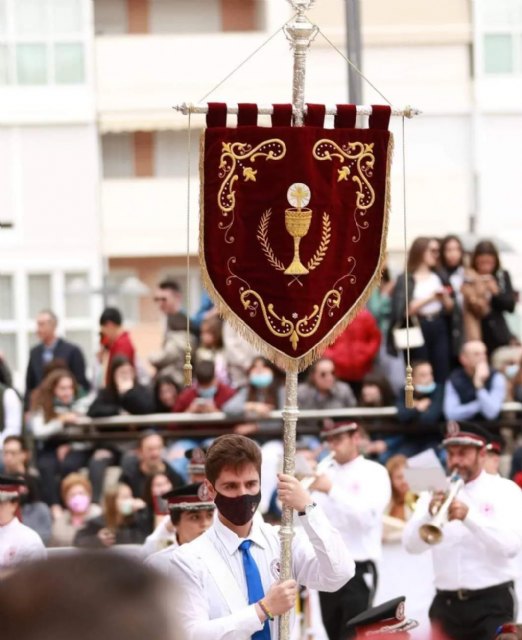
column 297, row 222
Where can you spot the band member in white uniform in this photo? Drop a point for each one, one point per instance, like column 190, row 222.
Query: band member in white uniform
column 18, row 543
column 190, row 514
column 354, row 493
column 473, row 561
column 226, row 582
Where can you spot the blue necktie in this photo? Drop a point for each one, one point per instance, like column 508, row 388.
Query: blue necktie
column 254, row 585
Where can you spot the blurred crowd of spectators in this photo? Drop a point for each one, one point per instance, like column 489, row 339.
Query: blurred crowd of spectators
column 465, row 366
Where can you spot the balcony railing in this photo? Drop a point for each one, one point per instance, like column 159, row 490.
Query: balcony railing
column 181, row 425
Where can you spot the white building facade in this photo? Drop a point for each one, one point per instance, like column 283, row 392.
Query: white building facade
column 93, row 159
column 49, row 171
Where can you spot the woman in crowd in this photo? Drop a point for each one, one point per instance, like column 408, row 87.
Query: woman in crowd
column 156, row 508
column 166, row 393
column 452, row 272
column 211, row 346
column 76, row 493
column 163, row 532
column 263, row 393
column 123, row 393
column 55, row 407
column 429, row 304
column 490, row 297
column 402, row 502
column 123, row 521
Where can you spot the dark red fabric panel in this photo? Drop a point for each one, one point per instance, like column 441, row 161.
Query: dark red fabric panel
column 282, row 116
column 380, row 118
column 346, row 116
column 246, row 114
column 217, row 114
column 315, row 115
column 276, row 198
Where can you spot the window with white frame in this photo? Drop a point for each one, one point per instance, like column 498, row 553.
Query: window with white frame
column 500, row 24
column 42, row 42
column 7, row 321
column 7, row 311
column 129, row 305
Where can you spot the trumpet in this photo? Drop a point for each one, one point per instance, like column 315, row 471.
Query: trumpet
column 431, row 532
column 308, row 481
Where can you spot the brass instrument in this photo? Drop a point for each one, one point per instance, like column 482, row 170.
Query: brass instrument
column 308, row 481
column 431, row 532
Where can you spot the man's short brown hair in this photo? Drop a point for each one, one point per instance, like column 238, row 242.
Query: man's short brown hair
column 231, row 450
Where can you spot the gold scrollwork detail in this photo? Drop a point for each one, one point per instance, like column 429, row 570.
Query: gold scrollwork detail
column 281, row 326
column 358, row 154
column 234, row 154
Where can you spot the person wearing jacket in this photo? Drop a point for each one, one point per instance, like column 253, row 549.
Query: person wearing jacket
column 501, row 297
column 123, row 393
column 355, row 349
column 429, row 303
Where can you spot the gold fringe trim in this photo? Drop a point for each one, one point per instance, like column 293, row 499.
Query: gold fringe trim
column 279, row 358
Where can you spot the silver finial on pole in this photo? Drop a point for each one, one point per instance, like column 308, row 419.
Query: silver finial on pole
column 300, row 33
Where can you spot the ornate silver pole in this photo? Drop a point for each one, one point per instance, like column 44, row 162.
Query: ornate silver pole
column 300, row 33
column 286, row 531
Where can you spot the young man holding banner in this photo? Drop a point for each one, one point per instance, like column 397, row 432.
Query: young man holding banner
column 226, row 582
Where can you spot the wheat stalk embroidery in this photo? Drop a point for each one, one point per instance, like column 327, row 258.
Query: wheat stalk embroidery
column 326, row 235
column 262, row 236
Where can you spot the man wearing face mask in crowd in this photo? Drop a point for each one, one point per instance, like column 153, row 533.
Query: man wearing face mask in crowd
column 428, row 397
column 263, row 393
column 207, row 394
column 226, row 582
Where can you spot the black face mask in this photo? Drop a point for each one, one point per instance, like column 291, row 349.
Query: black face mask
column 238, row 510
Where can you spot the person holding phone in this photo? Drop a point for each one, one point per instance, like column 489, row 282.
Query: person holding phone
column 207, row 395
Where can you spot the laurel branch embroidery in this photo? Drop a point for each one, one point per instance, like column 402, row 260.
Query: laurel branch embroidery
column 315, row 261
column 262, row 236
column 318, row 256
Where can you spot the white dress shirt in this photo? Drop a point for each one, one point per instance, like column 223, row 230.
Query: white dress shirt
column 476, row 552
column 320, row 561
column 356, row 503
column 18, row 544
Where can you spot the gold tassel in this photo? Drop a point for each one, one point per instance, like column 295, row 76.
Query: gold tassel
column 408, row 389
column 187, row 368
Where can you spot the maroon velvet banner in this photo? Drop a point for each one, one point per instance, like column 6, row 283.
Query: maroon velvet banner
column 293, row 224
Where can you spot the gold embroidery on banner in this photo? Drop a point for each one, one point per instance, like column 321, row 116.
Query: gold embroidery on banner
column 313, row 263
column 352, row 278
column 318, row 256
column 226, row 227
column 360, row 155
column 283, row 327
column 262, row 236
column 233, row 155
